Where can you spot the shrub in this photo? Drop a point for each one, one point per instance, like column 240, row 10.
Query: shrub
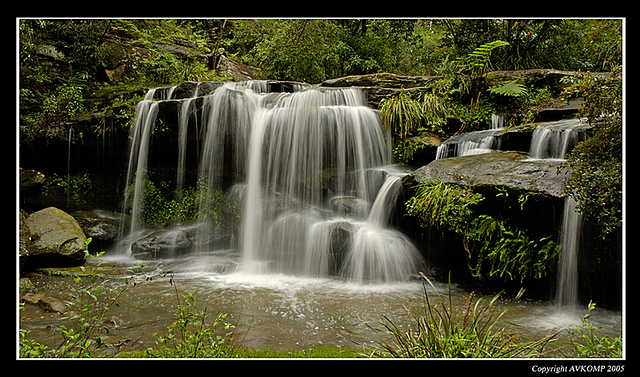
column 586, row 344
column 494, row 248
column 190, row 336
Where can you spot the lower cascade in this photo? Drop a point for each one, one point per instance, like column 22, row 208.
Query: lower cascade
column 313, row 169
column 567, row 285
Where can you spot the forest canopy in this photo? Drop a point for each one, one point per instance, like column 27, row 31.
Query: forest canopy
column 313, row 50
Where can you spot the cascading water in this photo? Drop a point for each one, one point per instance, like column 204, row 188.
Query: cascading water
column 313, row 167
column 567, row 285
column 469, row 143
column 497, row 121
column 554, row 140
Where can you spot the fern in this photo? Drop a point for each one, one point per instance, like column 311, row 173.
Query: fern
column 510, row 89
column 508, row 252
column 478, row 60
column 443, row 205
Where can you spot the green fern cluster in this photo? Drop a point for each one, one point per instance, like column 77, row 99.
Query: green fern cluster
column 507, row 252
column 494, row 248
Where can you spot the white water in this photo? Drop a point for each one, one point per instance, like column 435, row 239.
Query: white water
column 293, row 157
column 567, row 285
column 469, row 143
column 497, row 121
column 550, row 140
column 553, row 140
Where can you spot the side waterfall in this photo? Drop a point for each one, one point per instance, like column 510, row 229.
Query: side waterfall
column 314, row 169
column 567, row 285
column 554, row 140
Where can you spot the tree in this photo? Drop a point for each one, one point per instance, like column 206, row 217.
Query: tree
column 289, row 49
column 585, row 45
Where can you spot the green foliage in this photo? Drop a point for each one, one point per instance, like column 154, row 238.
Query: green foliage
column 568, row 44
column 405, row 116
column 493, row 247
column 587, row 344
column 442, row 205
column 62, row 104
column 509, row 89
column 163, row 205
column 474, row 117
column 27, row 347
column 77, row 187
column 434, row 110
column 192, row 336
column 401, row 114
column 478, row 60
column 440, row 331
column 596, row 164
column 506, row 252
column 292, row 49
column 318, row 352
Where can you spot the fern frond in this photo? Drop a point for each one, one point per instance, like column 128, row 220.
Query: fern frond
column 479, row 58
column 510, row 89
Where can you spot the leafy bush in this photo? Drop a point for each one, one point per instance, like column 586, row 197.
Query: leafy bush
column 42, row 112
column 77, row 187
column 442, row 205
column 190, row 336
column 493, row 247
column 162, row 205
column 586, row 344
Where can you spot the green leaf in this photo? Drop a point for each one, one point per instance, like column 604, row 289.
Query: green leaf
column 510, row 89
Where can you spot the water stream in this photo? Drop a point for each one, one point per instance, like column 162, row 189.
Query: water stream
column 553, row 140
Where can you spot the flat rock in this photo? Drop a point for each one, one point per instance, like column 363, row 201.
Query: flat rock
column 513, row 170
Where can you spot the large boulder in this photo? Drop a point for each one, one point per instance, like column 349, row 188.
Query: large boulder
column 56, row 239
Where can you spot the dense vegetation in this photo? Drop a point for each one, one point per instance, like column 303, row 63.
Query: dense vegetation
column 60, row 59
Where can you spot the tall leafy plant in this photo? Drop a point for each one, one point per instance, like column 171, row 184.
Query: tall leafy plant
column 438, row 330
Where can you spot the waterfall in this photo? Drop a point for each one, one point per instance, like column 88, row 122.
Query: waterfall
column 469, row 143
column 497, row 121
column 567, row 285
column 69, row 167
column 554, row 140
column 298, row 161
